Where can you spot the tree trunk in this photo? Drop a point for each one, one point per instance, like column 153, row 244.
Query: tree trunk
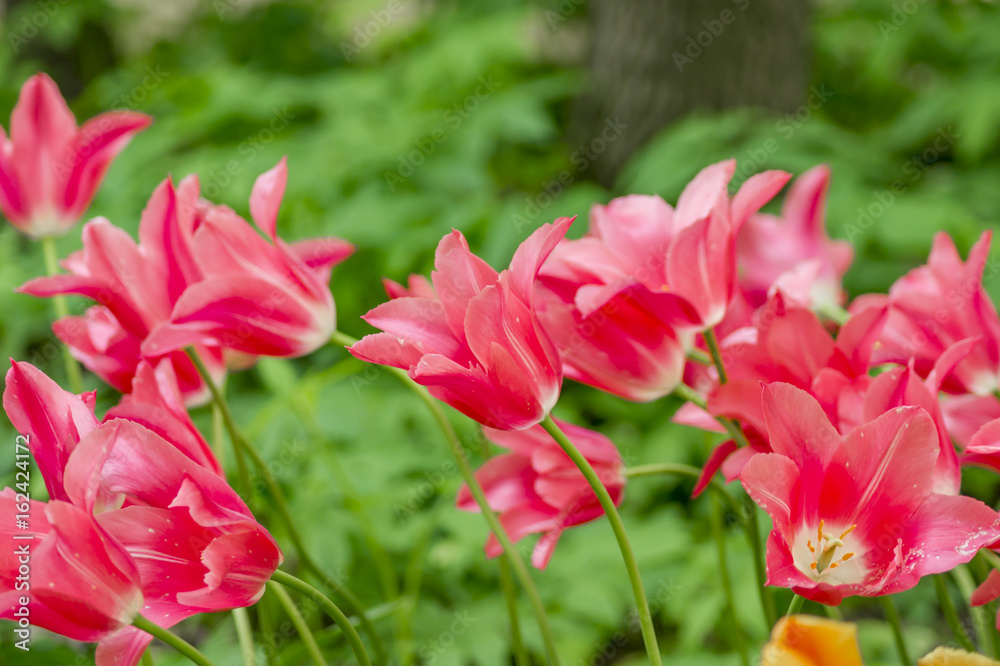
column 654, row 61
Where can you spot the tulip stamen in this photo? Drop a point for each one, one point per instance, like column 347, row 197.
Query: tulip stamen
column 828, row 545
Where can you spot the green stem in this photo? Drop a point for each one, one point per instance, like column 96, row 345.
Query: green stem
column 218, row 442
column 171, row 639
column 713, row 350
column 679, row 469
column 688, row 394
column 983, row 570
column 147, row 658
column 753, row 527
column 241, row 443
column 699, row 357
column 517, row 562
column 330, row 608
column 833, row 312
column 833, row 613
column 718, row 533
column 645, row 619
column 61, row 309
column 892, row 616
column 244, row 633
column 412, row 578
column 352, row 498
column 265, row 616
column 796, row 604
column 980, row 617
column 749, row 524
column 305, row 633
column 510, row 597
column 950, row 614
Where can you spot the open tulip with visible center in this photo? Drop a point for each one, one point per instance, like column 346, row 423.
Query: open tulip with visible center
column 855, row 514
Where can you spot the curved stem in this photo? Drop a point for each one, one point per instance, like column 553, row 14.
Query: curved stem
column 950, row 614
column 645, row 619
column 688, row 394
column 752, row 524
column 73, row 375
column 981, row 619
column 833, row 613
column 752, row 527
column 510, row 599
column 241, row 443
column 718, row 533
column 147, row 658
column 352, row 498
column 699, row 357
column 796, row 604
column 330, row 608
column 713, row 349
column 892, row 616
column 244, row 634
column 305, row 633
column 516, row 561
column 171, row 639
column 657, row 469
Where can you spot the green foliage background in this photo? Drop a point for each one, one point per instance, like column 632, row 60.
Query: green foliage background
column 235, row 85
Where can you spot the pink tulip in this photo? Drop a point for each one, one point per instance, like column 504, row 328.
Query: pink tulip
column 50, row 169
column 855, row 514
column 257, row 297
column 157, row 492
column 622, row 303
column 793, row 251
column 136, row 287
column 80, row 582
column 478, row 344
column 55, row 420
column 536, row 488
column 196, row 545
column 937, row 305
column 786, row 344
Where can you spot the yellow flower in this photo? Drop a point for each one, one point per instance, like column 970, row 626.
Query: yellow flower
column 807, row 640
column 951, row 657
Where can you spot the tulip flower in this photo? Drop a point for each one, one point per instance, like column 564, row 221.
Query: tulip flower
column 793, row 251
column 536, row 488
column 195, row 543
column 257, row 297
column 136, row 286
column 83, row 584
column 623, row 302
column 807, row 640
column 50, row 169
column 477, row 345
column 855, row 514
column 787, row 344
column 945, row 656
column 937, row 305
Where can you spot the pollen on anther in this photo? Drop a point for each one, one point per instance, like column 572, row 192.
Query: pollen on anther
column 847, row 556
column 810, row 544
column 812, row 566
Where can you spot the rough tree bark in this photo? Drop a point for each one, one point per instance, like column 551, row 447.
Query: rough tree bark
column 653, row 61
